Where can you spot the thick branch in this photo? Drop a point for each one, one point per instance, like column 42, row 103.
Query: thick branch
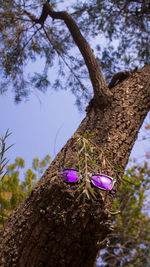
column 101, row 91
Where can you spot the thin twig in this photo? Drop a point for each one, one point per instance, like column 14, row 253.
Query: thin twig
column 115, row 212
column 82, row 86
column 31, row 38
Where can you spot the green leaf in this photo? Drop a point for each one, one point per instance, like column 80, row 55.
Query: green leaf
column 3, row 176
column 1, row 162
column 117, row 167
column 80, row 187
column 93, row 162
column 92, row 192
column 8, row 147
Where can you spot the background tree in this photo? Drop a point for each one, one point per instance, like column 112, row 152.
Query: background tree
column 13, row 188
column 129, row 243
column 3, row 163
column 51, row 227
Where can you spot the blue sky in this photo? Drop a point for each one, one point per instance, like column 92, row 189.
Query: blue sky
column 38, row 127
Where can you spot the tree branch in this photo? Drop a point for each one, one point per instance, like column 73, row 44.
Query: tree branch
column 102, row 94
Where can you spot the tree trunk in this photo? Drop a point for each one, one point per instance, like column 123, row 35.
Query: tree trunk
column 51, row 227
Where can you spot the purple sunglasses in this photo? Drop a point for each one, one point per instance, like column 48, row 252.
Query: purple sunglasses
column 100, row 181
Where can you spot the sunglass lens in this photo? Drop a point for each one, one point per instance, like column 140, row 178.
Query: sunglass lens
column 102, row 181
column 70, row 176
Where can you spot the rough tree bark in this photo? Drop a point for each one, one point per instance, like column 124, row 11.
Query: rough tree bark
column 51, row 227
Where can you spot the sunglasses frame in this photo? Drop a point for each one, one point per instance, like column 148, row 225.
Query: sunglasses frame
column 92, row 180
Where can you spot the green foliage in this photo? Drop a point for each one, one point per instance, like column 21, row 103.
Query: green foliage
column 3, row 150
column 3, row 173
column 129, row 243
column 123, row 26
column 84, row 158
column 13, row 188
column 90, row 159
